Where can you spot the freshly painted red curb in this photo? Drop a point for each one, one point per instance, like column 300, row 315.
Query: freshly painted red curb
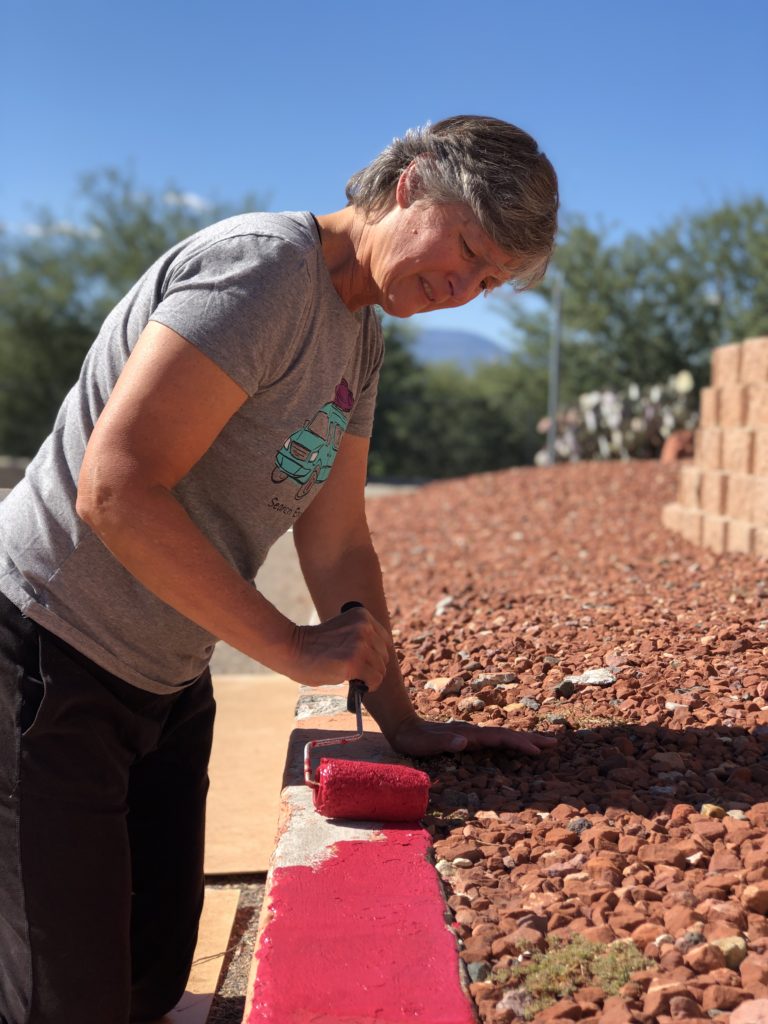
column 360, row 939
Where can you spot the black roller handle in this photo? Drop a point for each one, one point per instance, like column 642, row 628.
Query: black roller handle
column 356, row 686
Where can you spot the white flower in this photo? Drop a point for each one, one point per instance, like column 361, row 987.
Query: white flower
column 613, row 418
column 589, row 400
column 683, row 382
column 633, row 392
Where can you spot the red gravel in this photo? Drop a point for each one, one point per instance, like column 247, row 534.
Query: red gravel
column 532, row 575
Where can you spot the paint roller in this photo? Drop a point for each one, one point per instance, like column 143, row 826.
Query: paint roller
column 362, row 790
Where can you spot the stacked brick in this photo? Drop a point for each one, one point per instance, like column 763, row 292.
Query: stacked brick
column 723, row 498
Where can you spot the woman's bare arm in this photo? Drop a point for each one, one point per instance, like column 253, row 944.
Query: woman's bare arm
column 168, row 406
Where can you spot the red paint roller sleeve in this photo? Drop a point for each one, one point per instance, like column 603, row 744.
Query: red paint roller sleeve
column 362, row 791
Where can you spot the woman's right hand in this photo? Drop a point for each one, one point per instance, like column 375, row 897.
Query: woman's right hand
column 353, row 645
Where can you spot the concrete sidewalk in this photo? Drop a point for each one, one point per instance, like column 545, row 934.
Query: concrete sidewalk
column 254, row 719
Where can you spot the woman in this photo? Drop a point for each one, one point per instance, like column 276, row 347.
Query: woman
column 208, row 414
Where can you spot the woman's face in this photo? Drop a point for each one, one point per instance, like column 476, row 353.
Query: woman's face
column 433, row 257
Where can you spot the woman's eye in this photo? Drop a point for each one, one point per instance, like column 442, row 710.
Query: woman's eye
column 467, row 250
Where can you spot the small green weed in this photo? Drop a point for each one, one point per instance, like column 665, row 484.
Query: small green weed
column 568, row 966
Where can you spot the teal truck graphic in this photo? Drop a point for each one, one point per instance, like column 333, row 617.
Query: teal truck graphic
column 308, row 454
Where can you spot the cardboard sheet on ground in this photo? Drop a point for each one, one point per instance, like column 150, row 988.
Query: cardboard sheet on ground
column 219, row 909
column 254, row 719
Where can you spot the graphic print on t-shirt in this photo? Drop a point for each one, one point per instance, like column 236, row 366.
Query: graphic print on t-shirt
column 308, row 454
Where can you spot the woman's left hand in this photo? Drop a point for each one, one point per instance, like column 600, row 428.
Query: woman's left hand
column 419, row 738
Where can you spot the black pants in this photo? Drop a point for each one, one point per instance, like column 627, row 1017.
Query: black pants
column 102, row 813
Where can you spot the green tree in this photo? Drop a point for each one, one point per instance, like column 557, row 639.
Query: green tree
column 58, row 282
column 399, row 408
column 644, row 308
column 515, row 396
column 436, row 421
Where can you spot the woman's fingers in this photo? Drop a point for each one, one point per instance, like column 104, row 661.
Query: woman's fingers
column 479, row 736
column 369, row 642
column 425, row 739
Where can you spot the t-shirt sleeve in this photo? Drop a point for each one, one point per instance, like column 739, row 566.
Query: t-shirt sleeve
column 361, row 421
column 243, row 302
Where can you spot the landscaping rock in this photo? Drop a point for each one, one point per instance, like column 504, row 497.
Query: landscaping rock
column 754, row 970
column 662, row 754
column 712, row 811
column 704, row 957
column 530, row 703
column 661, row 853
column 684, row 1006
column 734, row 950
column 659, row 994
column 479, row 970
column 592, row 677
column 755, row 897
column 516, row 1000
column 578, row 824
column 615, row 1011
column 445, row 686
column 565, row 1009
column 442, row 605
column 722, row 997
column 753, row 1011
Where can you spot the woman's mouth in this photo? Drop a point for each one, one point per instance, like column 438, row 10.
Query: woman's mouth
column 427, row 290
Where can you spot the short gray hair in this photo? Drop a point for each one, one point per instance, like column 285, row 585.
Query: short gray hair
column 493, row 167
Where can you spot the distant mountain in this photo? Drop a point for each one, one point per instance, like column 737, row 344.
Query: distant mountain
column 464, row 348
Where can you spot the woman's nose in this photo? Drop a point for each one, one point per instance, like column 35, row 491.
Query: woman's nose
column 465, row 286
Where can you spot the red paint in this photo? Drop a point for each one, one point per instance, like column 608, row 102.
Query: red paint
column 360, row 940
column 361, row 791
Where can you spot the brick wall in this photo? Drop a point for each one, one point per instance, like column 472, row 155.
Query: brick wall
column 722, row 502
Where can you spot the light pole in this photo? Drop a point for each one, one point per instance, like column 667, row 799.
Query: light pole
column 554, row 362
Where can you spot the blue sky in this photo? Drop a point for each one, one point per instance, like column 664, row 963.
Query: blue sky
column 647, row 109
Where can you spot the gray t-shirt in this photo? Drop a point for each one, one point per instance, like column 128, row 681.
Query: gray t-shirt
column 254, row 294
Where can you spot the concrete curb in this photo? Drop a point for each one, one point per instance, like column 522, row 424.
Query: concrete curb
column 353, row 929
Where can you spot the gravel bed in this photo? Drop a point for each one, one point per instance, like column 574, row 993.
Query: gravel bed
column 649, row 823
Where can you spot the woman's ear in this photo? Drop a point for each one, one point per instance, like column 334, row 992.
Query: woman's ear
column 407, row 188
